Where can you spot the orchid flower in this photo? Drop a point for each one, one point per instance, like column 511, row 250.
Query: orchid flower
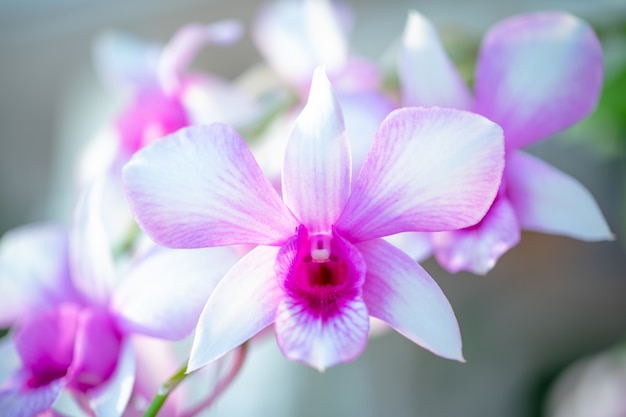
column 537, row 74
column 164, row 94
column 320, row 269
column 73, row 319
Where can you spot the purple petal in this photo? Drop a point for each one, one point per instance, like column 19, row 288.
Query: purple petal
column 243, row 304
column 34, row 271
column 538, row 74
column 316, row 170
column 288, row 36
column 477, row 248
column 549, row 201
column 91, row 256
column 96, row 352
column 202, row 187
column 45, row 342
column 163, row 296
column 428, row 77
column 177, row 55
column 429, row 169
column 400, row 292
column 322, row 342
column 28, row 402
column 110, row 399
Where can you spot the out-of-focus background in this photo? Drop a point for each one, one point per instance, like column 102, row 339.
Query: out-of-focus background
column 549, row 303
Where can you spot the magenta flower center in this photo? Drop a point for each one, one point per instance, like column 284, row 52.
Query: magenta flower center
column 321, row 276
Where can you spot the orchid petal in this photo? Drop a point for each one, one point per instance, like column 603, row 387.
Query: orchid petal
column 478, row 248
column 96, row 350
column 202, row 187
column 177, row 55
column 34, row 271
column 322, row 342
column 288, row 36
column 110, row 399
column 429, row 169
column 538, row 74
column 163, row 296
column 400, row 292
column 415, row 244
column 316, row 170
column 18, row 402
column 428, row 77
column 549, row 201
column 90, row 247
column 242, row 304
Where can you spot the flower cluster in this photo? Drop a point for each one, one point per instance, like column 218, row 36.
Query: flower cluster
column 312, row 225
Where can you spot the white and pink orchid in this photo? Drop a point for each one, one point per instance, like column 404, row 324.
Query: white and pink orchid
column 320, row 268
column 537, row 74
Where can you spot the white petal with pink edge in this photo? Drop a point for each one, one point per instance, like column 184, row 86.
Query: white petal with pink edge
column 202, row 187
column 243, row 304
column 549, row 201
column 163, row 295
column 478, row 248
column 316, row 170
column 322, row 342
column 400, row 292
column 538, row 74
column 427, row 76
column 429, row 169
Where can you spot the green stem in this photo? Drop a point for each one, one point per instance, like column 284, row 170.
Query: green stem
column 164, row 391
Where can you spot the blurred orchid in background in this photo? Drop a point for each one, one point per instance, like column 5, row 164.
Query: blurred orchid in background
column 536, row 75
column 74, row 318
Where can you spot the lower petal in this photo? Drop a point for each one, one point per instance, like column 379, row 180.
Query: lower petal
column 243, row 304
column 318, row 341
column 549, row 201
column 400, row 292
column 477, row 249
column 18, row 402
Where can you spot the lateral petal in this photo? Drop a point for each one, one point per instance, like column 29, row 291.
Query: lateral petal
column 242, row 304
column 201, row 187
column 549, row 201
column 316, row 170
column 429, row 169
column 478, row 248
column 427, row 76
column 538, row 74
column 400, row 292
column 163, row 295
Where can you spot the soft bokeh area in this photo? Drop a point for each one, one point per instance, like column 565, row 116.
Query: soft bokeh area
column 534, row 328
